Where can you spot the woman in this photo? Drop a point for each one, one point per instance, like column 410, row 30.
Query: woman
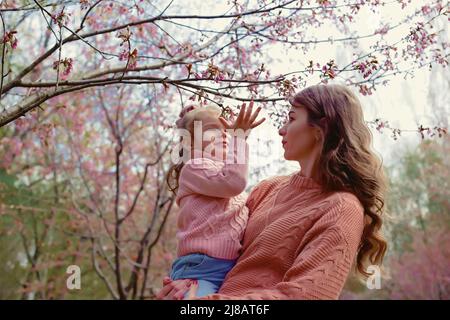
column 306, row 230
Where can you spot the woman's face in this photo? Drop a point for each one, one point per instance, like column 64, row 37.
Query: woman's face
column 299, row 138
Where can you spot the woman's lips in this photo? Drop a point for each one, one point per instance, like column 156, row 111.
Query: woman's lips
column 283, row 142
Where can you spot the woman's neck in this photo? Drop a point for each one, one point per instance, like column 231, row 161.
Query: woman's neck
column 309, row 168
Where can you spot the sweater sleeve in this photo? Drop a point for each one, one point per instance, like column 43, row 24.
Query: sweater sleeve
column 322, row 266
column 260, row 191
column 215, row 178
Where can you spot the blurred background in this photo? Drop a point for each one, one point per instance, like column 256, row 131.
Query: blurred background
column 87, row 128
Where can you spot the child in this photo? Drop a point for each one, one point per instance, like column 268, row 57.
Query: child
column 212, row 216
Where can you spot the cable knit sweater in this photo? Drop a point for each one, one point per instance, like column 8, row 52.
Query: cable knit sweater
column 299, row 243
column 213, row 215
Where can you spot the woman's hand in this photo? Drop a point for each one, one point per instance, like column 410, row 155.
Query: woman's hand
column 192, row 293
column 176, row 289
column 245, row 119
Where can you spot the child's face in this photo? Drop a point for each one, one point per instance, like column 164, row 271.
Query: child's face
column 212, row 129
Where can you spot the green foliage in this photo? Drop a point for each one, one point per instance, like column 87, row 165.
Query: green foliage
column 419, row 206
column 36, row 249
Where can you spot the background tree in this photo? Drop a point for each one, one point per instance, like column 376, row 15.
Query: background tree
column 419, row 225
column 88, row 95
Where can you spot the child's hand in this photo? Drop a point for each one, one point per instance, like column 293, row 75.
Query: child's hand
column 245, row 120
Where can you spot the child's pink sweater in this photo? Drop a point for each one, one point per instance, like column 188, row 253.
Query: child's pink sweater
column 213, row 215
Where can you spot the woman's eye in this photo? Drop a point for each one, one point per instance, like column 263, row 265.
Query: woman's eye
column 291, row 119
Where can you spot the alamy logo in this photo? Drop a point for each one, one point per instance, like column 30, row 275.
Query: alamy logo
column 218, row 141
column 374, row 280
column 74, row 280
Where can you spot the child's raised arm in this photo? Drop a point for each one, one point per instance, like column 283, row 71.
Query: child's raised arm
column 221, row 179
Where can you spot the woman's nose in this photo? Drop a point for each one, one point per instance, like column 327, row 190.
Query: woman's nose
column 282, row 131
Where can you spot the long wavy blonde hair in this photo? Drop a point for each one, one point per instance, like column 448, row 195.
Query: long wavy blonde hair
column 347, row 161
column 185, row 120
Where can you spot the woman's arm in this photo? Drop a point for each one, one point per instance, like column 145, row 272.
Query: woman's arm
column 321, row 268
column 176, row 289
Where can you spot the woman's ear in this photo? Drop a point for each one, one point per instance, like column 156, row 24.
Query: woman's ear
column 318, row 134
column 321, row 131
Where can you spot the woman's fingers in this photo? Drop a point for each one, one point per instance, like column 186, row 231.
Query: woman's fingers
column 162, row 294
column 171, row 288
column 179, row 289
column 192, row 293
column 166, row 280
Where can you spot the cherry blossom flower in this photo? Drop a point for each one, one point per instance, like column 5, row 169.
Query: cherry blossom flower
column 67, row 66
column 61, row 18
column 10, row 38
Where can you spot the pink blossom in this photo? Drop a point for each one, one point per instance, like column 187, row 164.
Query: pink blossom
column 426, row 9
column 388, row 65
column 84, row 4
column 123, row 10
column 364, row 90
column 67, row 66
column 329, row 70
column 61, row 18
column 123, row 55
column 124, row 35
column 10, row 38
column 382, row 30
column 212, row 72
column 130, row 57
column 133, row 59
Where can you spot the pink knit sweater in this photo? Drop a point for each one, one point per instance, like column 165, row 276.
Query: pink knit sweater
column 213, row 216
column 299, row 243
